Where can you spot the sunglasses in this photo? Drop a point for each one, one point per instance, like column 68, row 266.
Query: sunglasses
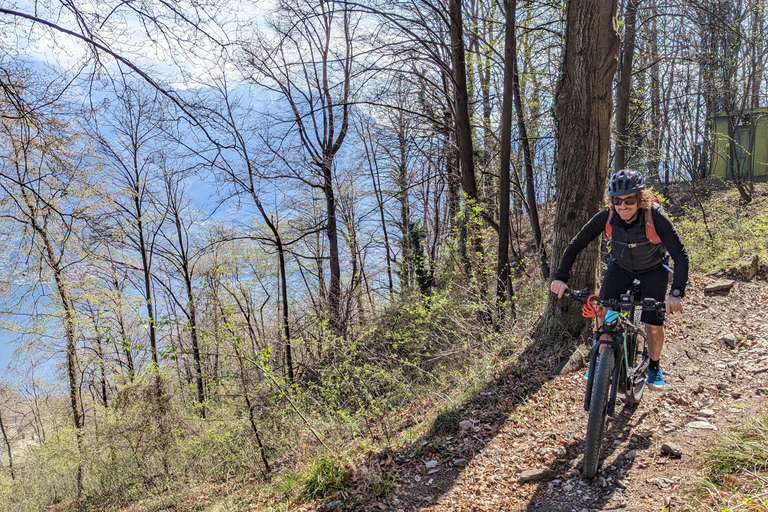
column 629, row 201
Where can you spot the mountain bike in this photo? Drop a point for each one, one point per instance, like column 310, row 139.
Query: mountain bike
column 620, row 366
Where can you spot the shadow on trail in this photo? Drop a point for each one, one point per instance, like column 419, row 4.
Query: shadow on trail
column 491, row 407
column 604, row 492
column 429, row 467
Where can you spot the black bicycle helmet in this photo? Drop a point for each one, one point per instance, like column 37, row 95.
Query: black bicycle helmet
column 625, row 181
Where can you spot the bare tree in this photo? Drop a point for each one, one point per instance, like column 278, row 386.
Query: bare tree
column 183, row 256
column 625, row 82
column 309, row 63
column 42, row 176
column 136, row 215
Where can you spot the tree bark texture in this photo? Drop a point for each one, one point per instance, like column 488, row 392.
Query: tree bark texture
column 461, row 100
column 583, row 110
column 625, row 85
column 502, row 268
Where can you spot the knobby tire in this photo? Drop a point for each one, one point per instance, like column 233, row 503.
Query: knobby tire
column 634, row 393
column 597, row 412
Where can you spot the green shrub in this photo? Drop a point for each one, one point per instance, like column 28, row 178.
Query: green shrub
column 730, row 230
column 221, row 450
column 47, row 475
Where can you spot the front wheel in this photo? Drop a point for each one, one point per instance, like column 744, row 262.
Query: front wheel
column 598, row 409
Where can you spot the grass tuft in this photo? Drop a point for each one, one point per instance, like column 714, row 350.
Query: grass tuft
column 447, row 422
column 326, row 475
column 736, row 469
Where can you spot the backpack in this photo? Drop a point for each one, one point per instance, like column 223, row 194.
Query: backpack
column 650, row 228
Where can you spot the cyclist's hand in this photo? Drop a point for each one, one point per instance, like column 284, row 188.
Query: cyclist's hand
column 558, row 288
column 673, row 304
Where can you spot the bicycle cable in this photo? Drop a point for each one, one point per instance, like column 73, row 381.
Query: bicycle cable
column 588, row 310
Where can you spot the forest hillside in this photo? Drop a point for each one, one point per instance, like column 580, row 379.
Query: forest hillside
column 436, row 408
column 246, row 246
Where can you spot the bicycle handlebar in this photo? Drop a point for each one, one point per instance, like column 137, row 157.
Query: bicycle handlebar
column 622, row 304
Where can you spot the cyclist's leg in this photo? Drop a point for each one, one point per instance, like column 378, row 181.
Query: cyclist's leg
column 654, row 284
column 654, row 340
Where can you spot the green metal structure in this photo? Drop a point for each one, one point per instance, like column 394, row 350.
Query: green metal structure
column 745, row 143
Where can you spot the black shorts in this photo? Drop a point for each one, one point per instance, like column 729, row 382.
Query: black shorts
column 653, row 283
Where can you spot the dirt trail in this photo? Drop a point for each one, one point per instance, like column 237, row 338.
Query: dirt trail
column 532, row 421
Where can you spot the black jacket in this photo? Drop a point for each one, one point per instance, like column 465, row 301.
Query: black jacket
column 630, row 246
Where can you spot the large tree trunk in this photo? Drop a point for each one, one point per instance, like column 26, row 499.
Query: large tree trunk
column 583, row 110
column 625, row 85
column 461, row 98
column 654, row 159
column 502, row 268
column 334, row 289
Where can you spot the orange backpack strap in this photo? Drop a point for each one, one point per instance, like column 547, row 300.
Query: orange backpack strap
column 608, row 227
column 650, row 228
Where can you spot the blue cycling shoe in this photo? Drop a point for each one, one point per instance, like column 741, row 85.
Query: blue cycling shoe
column 656, row 379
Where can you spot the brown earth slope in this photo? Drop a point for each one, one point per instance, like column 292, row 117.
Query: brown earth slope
column 530, row 421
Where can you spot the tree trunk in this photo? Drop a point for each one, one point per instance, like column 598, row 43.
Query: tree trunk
column 102, row 369
column 285, row 326
column 756, row 78
column 334, row 288
column 125, row 343
column 245, row 386
column 461, row 99
column 286, row 331
column 147, row 274
column 530, row 188
column 583, row 109
column 69, row 321
column 625, row 85
column 7, row 446
column 192, row 311
column 407, row 264
column 502, row 268
column 376, row 181
column 654, row 159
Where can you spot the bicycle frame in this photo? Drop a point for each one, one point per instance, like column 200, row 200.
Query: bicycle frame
column 618, row 332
